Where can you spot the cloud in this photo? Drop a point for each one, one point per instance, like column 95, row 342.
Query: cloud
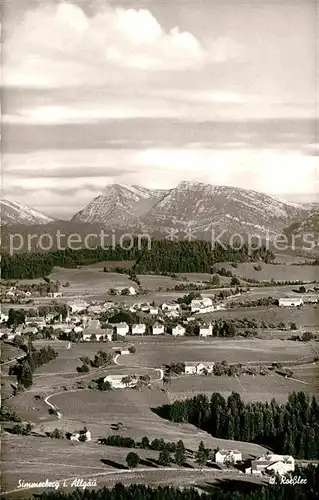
column 265, row 170
column 59, row 45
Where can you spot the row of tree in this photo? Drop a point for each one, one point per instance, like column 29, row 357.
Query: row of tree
column 156, row 444
column 291, row 428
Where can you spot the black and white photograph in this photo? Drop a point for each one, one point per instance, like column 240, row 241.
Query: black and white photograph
column 159, row 218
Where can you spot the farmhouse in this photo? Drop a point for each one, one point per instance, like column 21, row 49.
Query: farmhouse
column 158, row 329
column 122, row 329
column 78, row 306
column 310, row 299
column 178, row 330
column 96, row 309
column 138, row 329
column 10, row 294
column 199, row 305
column 124, row 290
column 153, row 311
column 122, row 351
column 37, row 321
column 62, row 326
column 195, row 368
column 116, row 381
column 290, row 302
column 223, row 456
column 205, row 330
column 144, row 306
column 272, row 463
column 170, row 307
column 83, row 435
column 94, row 332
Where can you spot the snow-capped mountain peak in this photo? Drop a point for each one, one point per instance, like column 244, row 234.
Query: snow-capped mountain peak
column 13, row 212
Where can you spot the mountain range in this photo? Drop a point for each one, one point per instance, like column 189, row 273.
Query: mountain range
column 190, row 206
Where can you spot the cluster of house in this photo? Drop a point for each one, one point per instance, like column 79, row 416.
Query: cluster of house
column 199, row 368
column 298, row 301
column 123, row 290
column 269, row 463
column 82, row 435
column 205, row 305
column 16, row 293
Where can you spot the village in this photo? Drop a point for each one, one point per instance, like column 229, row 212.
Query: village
column 124, row 351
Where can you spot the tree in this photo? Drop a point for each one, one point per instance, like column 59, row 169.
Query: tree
column 180, row 453
column 26, row 374
column 16, row 317
column 234, row 281
column 57, row 434
column 145, row 442
column 127, row 380
column 132, row 460
column 84, row 368
column 215, row 280
column 164, row 457
column 201, row 455
column 18, row 341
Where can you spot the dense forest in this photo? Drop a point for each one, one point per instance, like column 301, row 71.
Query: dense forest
column 223, row 490
column 291, row 428
column 163, row 256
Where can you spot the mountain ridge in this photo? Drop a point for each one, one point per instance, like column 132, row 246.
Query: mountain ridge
column 14, row 212
column 191, row 205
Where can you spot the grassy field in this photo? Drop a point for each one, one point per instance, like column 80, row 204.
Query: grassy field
column 8, row 351
column 278, row 272
column 307, row 316
column 156, row 352
column 251, row 388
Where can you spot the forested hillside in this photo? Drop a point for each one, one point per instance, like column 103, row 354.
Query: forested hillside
column 163, row 256
column 291, row 428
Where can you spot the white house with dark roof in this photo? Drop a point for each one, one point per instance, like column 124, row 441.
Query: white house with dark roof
column 171, row 306
column 223, row 456
column 78, row 306
column 199, row 368
column 178, row 330
column 158, row 329
column 138, row 329
column 154, row 311
column 120, row 290
column 290, row 302
column 272, row 463
column 122, row 329
column 206, row 330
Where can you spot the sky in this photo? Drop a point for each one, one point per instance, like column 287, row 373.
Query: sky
column 154, row 92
